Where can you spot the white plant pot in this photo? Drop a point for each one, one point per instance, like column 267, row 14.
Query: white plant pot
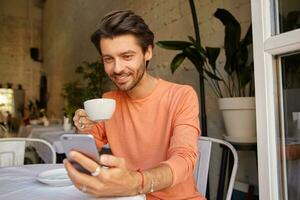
column 239, row 118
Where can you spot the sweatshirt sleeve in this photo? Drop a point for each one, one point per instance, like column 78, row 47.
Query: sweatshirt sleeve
column 98, row 131
column 182, row 153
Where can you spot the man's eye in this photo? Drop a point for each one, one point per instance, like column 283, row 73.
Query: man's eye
column 107, row 60
column 127, row 57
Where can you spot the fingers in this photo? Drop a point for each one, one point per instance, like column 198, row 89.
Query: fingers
column 112, row 161
column 82, row 121
column 78, row 179
column 79, row 113
column 110, row 182
column 84, row 161
column 92, row 185
column 91, row 165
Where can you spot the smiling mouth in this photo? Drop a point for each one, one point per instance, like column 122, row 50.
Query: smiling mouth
column 121, row 79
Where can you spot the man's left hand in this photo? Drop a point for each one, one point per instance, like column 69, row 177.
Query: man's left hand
column 115, row 180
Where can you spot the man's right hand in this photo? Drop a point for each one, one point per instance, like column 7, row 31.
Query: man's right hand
column 82, row 121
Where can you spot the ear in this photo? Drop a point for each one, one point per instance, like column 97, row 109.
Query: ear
column 149, row 53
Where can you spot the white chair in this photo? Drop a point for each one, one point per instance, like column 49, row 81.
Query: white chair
column 202, row 166
column 12, row 150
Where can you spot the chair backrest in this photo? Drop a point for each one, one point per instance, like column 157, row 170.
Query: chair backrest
column 202, row 166
column 3, row 131
column 12, row 150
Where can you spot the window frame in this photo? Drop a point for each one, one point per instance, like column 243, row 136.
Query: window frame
column 266, row 49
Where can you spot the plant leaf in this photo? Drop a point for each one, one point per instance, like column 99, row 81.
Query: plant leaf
column 232, row 38
column 212, row 55
column 176, row 62
column 246, row 76
column 212, row 76
column 195, row 57
column 248, row 37
column 174, row 45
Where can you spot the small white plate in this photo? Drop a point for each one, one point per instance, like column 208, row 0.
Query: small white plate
column 55, row 177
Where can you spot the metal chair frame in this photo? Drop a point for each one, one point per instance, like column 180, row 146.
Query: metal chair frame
column 202, row 166
column 21, row 142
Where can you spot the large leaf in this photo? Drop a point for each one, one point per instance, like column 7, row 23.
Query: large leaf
column 195, row 57
column 243, row 52
column 248, row 37
column 176, row 62
column 246, row 75
column 212, row 55
column 174, row 45
column 232, row 38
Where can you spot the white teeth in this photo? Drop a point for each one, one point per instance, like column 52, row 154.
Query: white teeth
column 121, row 77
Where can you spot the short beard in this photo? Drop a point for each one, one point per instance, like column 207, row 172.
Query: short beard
column 139, row 78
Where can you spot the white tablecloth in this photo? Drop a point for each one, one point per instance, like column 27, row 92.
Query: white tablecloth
column 19, row 183
column 27, row 131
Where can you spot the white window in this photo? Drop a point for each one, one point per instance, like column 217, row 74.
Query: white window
column 276, row 41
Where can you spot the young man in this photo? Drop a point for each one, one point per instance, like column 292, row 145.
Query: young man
column 154, row 130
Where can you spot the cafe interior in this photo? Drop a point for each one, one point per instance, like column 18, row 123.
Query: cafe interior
column 49, row 67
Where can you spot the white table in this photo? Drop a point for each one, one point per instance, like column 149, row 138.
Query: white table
column 27, row 131
column 19, row 183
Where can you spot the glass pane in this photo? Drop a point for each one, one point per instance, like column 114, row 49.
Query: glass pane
column 289, row 15
column 290, row 67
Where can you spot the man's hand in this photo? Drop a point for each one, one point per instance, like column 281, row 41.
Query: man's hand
column 116, row 180
column 82, row 121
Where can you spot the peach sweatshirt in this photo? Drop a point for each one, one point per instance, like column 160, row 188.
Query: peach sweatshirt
column 162, row 127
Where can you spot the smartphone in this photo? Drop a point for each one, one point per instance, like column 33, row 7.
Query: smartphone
column 83, row 143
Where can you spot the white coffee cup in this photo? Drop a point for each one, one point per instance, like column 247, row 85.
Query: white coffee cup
column 99, row 109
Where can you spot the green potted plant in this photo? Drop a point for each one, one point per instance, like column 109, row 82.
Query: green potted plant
column 92, row 84
column 234, row 84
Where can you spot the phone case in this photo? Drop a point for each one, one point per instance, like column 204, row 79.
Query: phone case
column 83, row 143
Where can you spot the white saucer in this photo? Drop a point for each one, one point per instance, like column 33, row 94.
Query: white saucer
column 55, row 177
column 240, row 139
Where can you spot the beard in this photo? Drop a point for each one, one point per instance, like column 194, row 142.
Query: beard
column 137, row 77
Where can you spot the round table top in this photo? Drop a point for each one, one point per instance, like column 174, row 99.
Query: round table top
column 20, row 182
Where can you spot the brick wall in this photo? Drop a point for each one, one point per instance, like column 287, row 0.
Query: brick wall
column 20, row 29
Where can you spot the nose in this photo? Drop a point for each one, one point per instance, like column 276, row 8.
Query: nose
column 118, row 66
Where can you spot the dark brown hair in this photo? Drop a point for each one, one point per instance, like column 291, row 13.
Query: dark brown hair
column 120, row 23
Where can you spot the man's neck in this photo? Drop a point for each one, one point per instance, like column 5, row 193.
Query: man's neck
column 143, row 88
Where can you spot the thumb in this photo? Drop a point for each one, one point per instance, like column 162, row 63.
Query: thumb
column 112, row 161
